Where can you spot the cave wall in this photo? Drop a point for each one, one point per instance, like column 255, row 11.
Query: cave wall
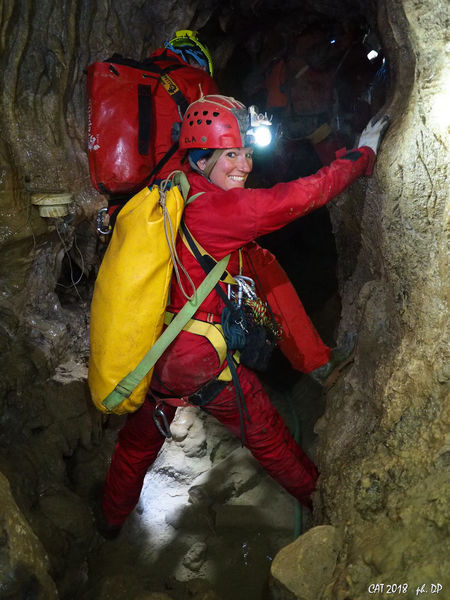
column 382, row 449
column 45, row 51
column 46, row 414
column 384, row 452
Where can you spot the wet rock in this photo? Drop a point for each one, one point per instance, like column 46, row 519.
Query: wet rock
column 121, row 586
column 66, row 511
column 198, row 589
column 302, row 570
column 191, row 518
column 195, row 557
column 153, row 596
column 370, row 494
column 230, row 516
column 24, row 564
column 228, row 478
column 443, row 375
column 188, row 431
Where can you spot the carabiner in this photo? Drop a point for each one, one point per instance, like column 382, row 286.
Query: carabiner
column 164, row 429
column 248, row 286
column 101, row 227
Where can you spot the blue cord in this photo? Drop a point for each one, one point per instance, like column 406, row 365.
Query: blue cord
column 234, row 328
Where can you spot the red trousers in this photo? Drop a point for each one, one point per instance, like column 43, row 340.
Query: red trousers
column 266, row 436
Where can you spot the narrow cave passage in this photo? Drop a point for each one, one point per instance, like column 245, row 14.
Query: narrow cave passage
column 209, row 520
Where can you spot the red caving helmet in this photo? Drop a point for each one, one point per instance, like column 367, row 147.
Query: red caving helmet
column 214, row 122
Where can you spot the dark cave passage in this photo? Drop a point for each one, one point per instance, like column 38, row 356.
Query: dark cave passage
column 334, row 79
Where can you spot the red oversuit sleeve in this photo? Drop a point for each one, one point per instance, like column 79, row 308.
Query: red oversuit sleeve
column 223, row 221
column 300, row 342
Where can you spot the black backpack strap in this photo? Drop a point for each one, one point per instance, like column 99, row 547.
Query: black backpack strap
column 167, row 82
column 174, row 91
column 148, row 64
column 151, row 66
column 206, row 261
column 157, row 168
column 145, row 118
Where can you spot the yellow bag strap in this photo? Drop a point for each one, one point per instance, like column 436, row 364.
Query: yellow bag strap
column 212, row 331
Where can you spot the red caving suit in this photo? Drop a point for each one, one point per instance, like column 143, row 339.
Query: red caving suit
column 223, row 222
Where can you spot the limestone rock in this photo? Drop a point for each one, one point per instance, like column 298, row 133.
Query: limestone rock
column 195, row 556
column 302, row 570
column 228, row 478
column 24, row 564
column 187, row 430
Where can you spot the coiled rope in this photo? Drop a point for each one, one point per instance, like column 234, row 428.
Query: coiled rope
column 170, row 238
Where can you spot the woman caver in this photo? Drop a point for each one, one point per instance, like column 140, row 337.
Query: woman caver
column 218, row 133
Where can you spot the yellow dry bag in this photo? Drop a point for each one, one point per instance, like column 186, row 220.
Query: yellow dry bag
column 130, row 297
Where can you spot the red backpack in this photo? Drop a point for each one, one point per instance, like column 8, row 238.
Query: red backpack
column 120, row 119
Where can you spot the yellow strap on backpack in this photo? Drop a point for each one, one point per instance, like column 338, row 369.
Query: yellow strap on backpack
column 130, row 295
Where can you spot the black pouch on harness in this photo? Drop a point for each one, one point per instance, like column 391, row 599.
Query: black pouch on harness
column 255, row 342
column 258, row 349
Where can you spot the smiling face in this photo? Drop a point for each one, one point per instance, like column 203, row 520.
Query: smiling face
column 232, row 168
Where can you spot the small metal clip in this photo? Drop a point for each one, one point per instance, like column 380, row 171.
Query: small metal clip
column 164, row 428
column 101, row 227
column 242, row 325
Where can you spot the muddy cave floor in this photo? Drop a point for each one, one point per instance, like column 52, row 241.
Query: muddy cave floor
column 209, row 521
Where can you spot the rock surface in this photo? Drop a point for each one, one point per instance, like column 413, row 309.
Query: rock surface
column 24, row 565
column 383, row 450
column 305, row 568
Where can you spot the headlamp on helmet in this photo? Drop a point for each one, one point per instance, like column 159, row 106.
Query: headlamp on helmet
column 222, row 122
column 259, row 132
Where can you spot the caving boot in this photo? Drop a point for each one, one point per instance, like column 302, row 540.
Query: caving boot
column 327, row 374
column 106, row 530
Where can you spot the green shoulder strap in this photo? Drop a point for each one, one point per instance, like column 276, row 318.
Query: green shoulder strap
column 181, row 181
column 124, row 388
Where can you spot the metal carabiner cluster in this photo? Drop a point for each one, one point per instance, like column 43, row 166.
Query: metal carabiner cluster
column 246, row 289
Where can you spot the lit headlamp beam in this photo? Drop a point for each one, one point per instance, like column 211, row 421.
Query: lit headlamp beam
column 259, row 132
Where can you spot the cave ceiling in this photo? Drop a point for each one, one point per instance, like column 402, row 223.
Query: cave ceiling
column 256, row 30
column 247, row 18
